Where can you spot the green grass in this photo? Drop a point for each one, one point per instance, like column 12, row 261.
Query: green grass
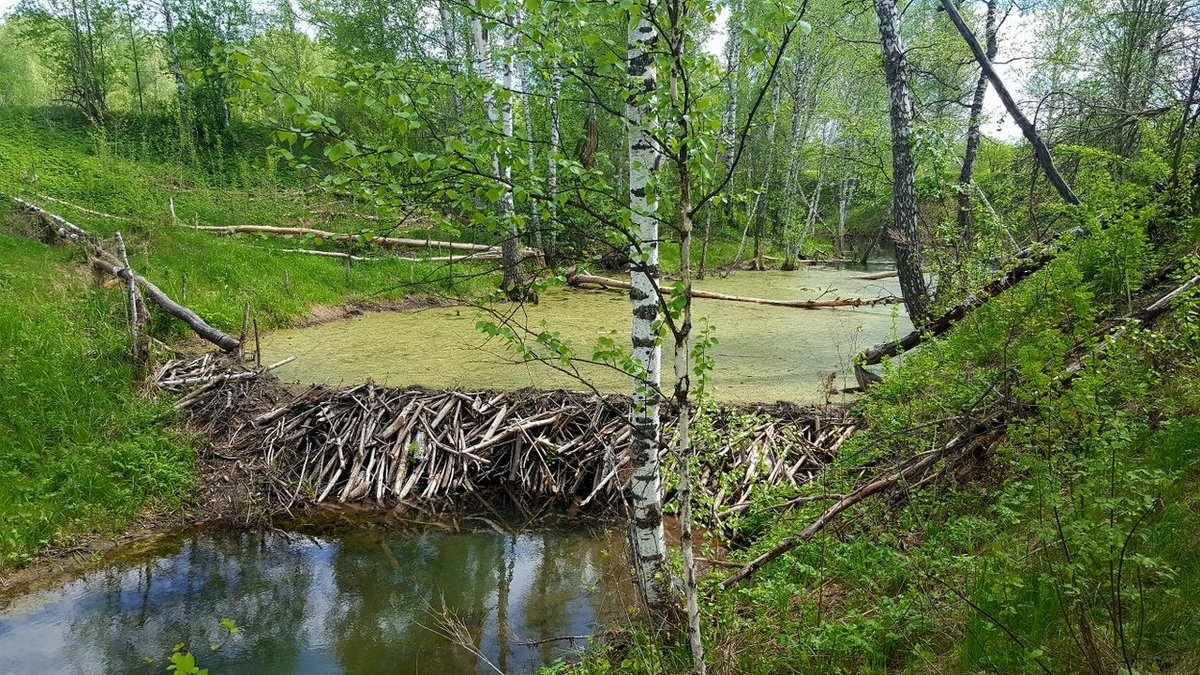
column 47, row 154
column 79, row 449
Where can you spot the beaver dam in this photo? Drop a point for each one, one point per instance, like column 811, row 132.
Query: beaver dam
column 434, row 449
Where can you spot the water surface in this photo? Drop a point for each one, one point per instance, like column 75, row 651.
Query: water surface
column 764, row 353
column 362, row 602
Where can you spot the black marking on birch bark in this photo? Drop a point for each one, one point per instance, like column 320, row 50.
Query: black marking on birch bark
column 652, row 519
column 647, row 311
column 644, row 343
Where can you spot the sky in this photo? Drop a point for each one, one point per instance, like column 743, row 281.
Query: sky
column 1016, row 44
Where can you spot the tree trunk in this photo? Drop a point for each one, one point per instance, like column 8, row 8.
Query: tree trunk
column 846, row 188
column 649, row 548
column 535, row 216
column 556, row 79
column 768, row 178
column 904, row 172
column 447, row 21
column 1039, row 146
column 173, row 50
column 967, row 175
column 510, row 247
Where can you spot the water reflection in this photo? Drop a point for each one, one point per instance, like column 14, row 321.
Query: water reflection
column 362, row 602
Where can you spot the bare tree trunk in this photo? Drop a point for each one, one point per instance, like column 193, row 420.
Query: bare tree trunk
column 556, row 79
column 173, row 50
column 535, row 217
column 682, row 334
column 967, row 175
column 649, row 548
column 733, row 59
column 768, row 179
column 904, row 172
column 792, row 190
column 510, row 247
column 846, row 187
column 447, row 22
column 1039, row 146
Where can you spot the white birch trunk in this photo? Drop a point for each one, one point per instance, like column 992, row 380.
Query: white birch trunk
column 510, row 248
column 447, row 21
column 649, row 543
column 556, row 79
column 904, row 189
column 535, row 217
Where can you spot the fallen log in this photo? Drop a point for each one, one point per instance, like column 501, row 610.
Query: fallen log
column 99, row 214
column 1032, row 261
column 169, row 306
column 877, row 276
column 578, row 279
column 387, row 242
column 333, row 254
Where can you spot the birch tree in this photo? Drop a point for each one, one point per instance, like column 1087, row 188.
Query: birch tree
column 905, row 233
column 649, row 548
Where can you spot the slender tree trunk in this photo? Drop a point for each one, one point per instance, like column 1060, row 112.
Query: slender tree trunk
column 904, row 173
column 510, row 247
column 967, row 176
column 447, row 22
column 556, row 79
column 683, row 404
column 137, row 64
column 733, row 57
column 535, row 216
column 814, row 205
column 173, row 50
column 682, row 334
column 845, row 195
column 1041, row 151
column 649, row 548
column 768, row 178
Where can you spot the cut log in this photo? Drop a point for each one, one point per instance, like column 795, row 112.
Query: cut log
column 387, row 242
column 168, row 305
column 577, row 279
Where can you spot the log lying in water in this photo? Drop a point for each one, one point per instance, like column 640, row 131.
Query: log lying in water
column 878, row 275
column 575, row 278
column 429, row 448
column 386, row 242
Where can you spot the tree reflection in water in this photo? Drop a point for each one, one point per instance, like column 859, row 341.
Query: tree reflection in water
column 361, row 602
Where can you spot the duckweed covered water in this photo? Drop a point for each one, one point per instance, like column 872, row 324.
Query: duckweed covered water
column 764, row 353
column 361, row 602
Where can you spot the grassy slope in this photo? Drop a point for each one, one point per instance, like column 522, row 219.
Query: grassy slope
column 78, row 448
column 44, row 154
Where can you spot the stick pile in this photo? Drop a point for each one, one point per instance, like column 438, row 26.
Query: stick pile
column 536, row 448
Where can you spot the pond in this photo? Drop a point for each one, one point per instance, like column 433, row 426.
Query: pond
column 363, row 601
column 763, row 353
